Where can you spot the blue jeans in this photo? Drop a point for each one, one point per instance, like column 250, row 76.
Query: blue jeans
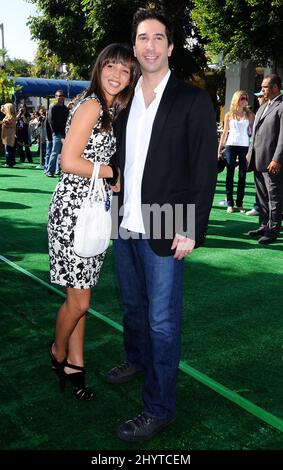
column 53, row 166
column 48, row 151
column 151, row 293
column 231, row 152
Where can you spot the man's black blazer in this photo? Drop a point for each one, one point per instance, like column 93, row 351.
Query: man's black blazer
column 181, row 163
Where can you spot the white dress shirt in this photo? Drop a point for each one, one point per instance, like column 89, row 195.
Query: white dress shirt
column 138, row 134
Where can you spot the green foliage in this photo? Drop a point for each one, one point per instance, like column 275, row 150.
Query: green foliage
column 62, row 31
column 75, row 31
column 19, row 67
column 7, row 87
column 242, row 29
column 46, row 64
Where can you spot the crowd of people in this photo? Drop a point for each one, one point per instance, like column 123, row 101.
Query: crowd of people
column 163, row 152
column 254, row 143
column 22, row 129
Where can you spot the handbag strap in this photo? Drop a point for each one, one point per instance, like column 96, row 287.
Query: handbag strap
column 96, row 184
column 94, row 176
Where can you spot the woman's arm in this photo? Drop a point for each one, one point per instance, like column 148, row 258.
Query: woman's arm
column 224, row 135
column 76, row 140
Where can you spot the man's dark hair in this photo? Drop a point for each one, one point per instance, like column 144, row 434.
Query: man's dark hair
column 143, row 14
column 274, row 80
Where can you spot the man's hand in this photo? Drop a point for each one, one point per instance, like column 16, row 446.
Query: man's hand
column 183, row 246
column 117, row 187
column 274, row 167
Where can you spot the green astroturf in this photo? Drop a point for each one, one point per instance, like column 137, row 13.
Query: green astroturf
column 232, row 332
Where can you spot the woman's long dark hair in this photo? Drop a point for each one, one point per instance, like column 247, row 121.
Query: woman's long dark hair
column 119, row 54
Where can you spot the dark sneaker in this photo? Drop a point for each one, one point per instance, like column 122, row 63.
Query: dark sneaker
column 258, row 232
column 122, row 373
column 265, row 240
column 141, row 428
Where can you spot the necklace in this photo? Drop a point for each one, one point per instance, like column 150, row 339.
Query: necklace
column 240, row 116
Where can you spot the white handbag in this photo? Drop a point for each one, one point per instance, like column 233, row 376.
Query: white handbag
column 93, row 227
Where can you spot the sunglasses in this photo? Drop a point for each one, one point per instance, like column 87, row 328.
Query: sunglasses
column 59, row 96
column 243, row 98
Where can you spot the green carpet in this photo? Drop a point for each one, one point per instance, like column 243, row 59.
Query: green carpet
column 231, row 332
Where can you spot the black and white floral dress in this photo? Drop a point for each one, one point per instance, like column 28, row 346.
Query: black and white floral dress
column 66, row 268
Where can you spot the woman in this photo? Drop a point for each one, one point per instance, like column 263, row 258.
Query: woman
column 23, row 135
column 89, row 138
column 8, row 133
column 238, row 124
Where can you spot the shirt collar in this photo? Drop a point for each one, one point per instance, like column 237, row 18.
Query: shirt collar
column 274, row 99
column 160, row 87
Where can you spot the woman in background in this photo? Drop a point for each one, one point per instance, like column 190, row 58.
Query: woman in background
column 8, row 133
column 237, row 130
column 22, row 133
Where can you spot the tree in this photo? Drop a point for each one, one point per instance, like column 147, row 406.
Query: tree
column 18, row 67
column 76, row 30
column 7, row 84
column 7, row 87
column 242, row 29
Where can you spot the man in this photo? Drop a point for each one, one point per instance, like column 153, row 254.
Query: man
column 265, row 156
column 255, row 210
column 167, row 156
column 57, row 118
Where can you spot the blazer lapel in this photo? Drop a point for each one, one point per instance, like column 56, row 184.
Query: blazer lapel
column 164, row 107
column 270, row 108
column 122, row 140
column 260, row 113
column 273, row 106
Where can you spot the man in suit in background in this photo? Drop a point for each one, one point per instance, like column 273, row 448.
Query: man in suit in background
column 57, row 119
column 265, row 156
column 167, row 154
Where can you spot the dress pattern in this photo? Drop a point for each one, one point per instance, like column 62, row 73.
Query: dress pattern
column 66, row 267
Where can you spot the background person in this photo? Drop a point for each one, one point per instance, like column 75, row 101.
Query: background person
column 238, row 123
column 8, row 133
column 48, row 143
column 265, row 156
column 57, row 118
column 22, row 134
column 41, row 133
column 255, row 210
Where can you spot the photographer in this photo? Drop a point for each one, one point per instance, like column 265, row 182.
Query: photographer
column 22, row 134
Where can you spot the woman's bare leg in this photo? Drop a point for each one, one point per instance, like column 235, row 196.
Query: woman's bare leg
column 70, row 323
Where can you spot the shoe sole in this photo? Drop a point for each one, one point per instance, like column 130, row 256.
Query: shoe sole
column 273, row 240
column 145, row 438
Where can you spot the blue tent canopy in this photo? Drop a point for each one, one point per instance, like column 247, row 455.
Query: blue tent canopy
column 46, row 87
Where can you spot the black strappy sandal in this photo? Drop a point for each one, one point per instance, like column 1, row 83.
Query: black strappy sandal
column 58, row 368
column 78, row 382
